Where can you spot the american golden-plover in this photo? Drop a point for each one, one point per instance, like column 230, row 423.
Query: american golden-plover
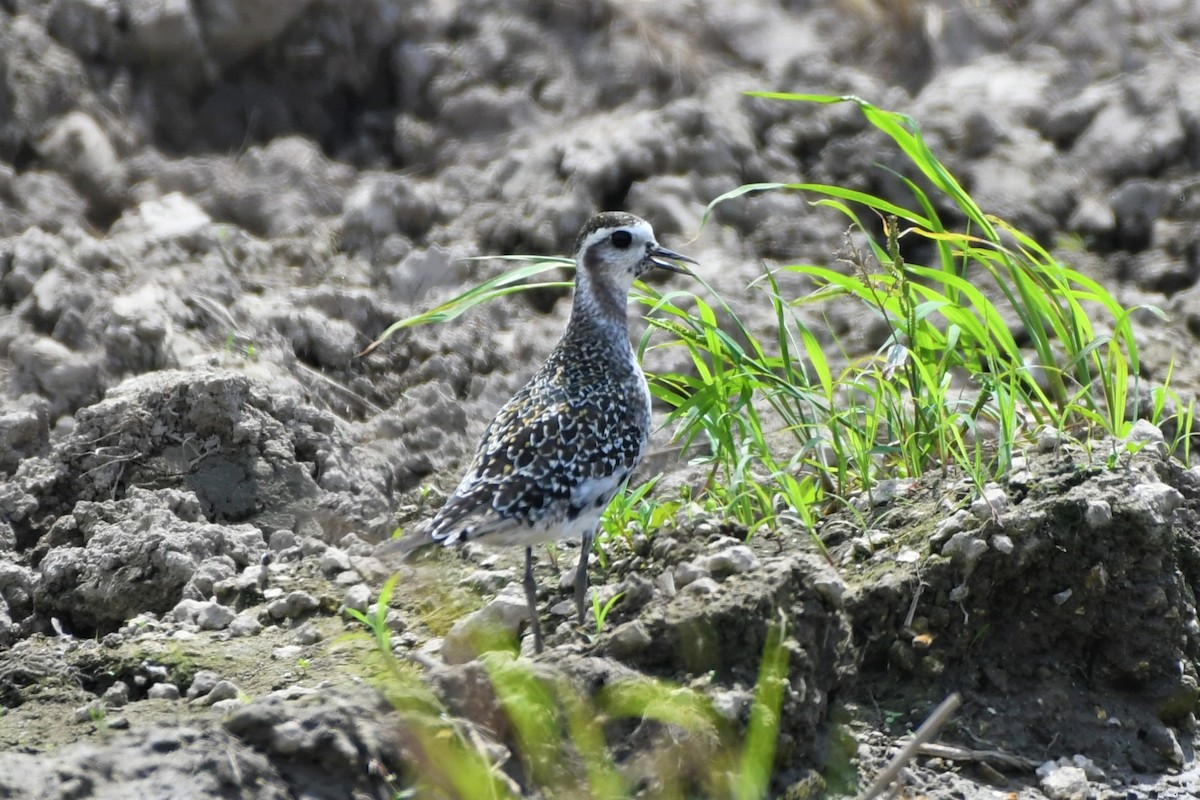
column 557, row 452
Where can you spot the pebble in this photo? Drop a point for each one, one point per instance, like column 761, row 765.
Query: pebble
column 1002, row 544
column 163, row 691
column 702, row 586
column 666, row 583
column 313, row 547
column 871, row 542
column 686, row 573
column 212, row 616
column 1049, row 439
column 1065, row 783
column 224, row 690
column 730, row 561
column 498, row 623
column 951, row 525
column 245, row 624
column 281, row 540
column 966, row 549
column 334, row 561
column 1098, row 514
column 306, row 634
column 292, row 605
column 1148, row 435
column 116, row 695
column 991, row 503
column 202, row 683
column 357, row 597
column 628, row 639
column 488, row 581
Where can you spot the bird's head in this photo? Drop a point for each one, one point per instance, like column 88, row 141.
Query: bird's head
column 614, row 248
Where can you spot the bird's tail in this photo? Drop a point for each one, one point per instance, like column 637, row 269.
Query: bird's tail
column 406, row 548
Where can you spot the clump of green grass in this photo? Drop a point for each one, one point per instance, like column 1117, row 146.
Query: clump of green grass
column 557, row 734
column 782, row 430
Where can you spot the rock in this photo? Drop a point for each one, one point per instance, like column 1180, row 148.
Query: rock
column 966, row 549
column 702, row 586
column 687, row 572
column 1065, row 783
column 334, row 561
column 627, row 640
column 214, row 616
column 357, row 597
column 202, row 683
column 163, row 691
column 245, row 624
column 730, row 561
column 281, row 540
column 221, row 690
column 293, row 605
column 495, row 626
column 991, row 503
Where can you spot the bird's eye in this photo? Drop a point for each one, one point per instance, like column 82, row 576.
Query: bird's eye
column 621, row 239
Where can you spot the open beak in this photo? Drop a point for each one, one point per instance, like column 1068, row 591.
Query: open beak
column 665, row 259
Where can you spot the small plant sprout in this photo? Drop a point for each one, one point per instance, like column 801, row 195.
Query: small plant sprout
column 600, row 612
column 376, row 621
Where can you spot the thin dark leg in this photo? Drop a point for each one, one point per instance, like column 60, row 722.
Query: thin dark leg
column 581, row 573
column 531, row 598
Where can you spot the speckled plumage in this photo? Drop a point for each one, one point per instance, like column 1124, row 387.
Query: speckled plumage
column 560, row 449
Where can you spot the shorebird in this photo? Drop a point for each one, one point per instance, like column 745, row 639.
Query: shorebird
column 562, row 447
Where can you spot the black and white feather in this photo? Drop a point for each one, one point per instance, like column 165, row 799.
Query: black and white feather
column 561, row 448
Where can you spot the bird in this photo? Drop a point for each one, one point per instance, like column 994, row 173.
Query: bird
column 561, row 448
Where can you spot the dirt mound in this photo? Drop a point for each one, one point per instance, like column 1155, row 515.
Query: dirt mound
column 208, row 209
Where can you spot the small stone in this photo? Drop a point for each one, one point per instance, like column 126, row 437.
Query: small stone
column 357, row 597
column 245, row 624
column 492, row 627
column 202, row 683
column 1098, row 514
column 306, row 634
column 730, row 705
column 687, row 572
column 116, row 695
column 185, row 611
column 730, row 561
column 951, row 525
column 334, row 561
column 163, row 691
column 1049, row 439
column 1002, row 544
column 1145, row 432
column 966, row 549
column 666, row 583
column 281, row 540
column 628, row 640
column 223, row 690
column 871, row 542
column 1062, row 597
column 289, row 652
column 831, row 589
column 214, row 616
column 292, row 605
column 991, row 503
column 702, row 586
column 312, row 547
column 1065, row 783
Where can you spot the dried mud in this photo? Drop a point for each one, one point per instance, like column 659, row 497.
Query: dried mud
column 208, row 209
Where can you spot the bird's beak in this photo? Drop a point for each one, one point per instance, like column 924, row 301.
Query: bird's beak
column 665, row 259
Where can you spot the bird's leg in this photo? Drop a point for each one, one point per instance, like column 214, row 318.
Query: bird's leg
column 581, row 573
column 531, row 598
